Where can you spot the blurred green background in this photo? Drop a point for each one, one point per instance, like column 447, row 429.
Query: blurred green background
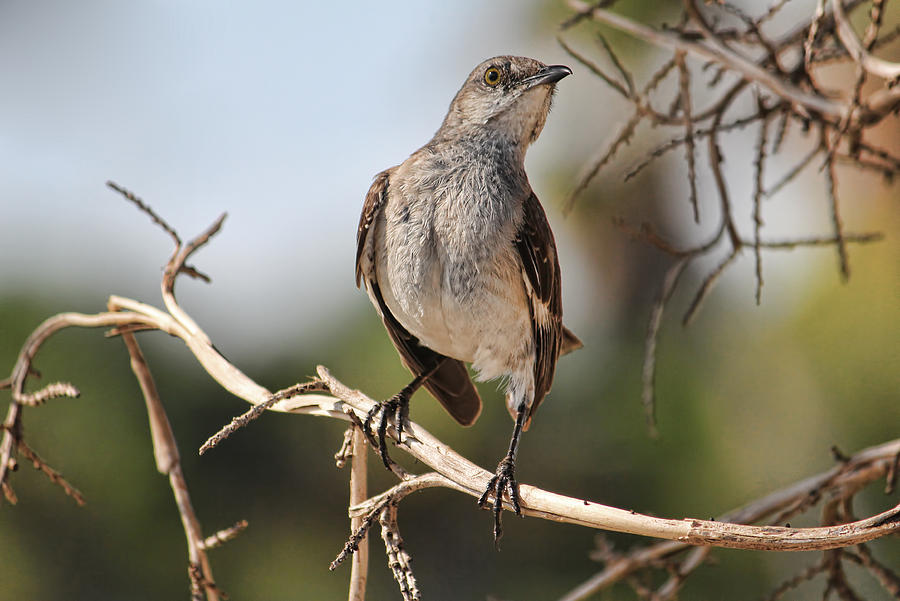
column 750, row 398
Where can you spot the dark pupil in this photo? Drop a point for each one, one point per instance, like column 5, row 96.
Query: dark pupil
column 493, row 75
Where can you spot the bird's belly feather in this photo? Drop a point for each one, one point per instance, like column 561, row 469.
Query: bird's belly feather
column 459, row 308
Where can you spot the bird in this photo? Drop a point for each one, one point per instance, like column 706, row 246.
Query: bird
column 457, row 256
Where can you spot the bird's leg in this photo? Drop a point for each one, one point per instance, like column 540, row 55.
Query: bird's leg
column 504, row 479
column 397, row 407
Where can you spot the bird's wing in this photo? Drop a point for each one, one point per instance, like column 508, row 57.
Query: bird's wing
column 540, row 273
column 450, row 384
column 365, row 244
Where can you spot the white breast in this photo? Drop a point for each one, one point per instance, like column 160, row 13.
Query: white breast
column 450, row 291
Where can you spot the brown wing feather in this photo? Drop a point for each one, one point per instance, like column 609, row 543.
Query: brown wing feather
column 450, row 384
column 374, row 202
column 540, row 267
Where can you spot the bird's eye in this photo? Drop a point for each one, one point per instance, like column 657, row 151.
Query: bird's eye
column 492, row 76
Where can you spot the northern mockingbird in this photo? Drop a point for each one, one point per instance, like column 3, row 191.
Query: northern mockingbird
column 458, row 258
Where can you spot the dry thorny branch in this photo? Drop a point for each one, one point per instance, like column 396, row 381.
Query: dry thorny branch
column 782, row 73
column 126, row 317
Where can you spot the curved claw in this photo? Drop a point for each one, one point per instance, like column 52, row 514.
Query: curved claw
column 504, row 480
column 397, row 407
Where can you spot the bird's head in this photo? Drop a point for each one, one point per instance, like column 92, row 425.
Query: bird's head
column 507, row 96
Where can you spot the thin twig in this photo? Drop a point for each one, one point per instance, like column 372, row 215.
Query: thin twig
column 757, row 204
column 794, row 172
column 50, row 391
column 223, row 536
column 837, row 223
column 398, row 559
column 813, row 34
column 684, row 82
column 876, row 14
column 781, row 130
column 641, row 109
column 356, row 537
column 886, row 577
column 595, row 69
column 771, row 12
column 622, row 137
column 706, row 287
column 140, row 204
column 669, row 590
column 629, row 80
column 816, row 241
column 648, row 372
column 52, row 474
column 255, row 411
column 790, row 584
column 676, row 142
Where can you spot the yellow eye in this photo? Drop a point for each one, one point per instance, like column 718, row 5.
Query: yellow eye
column 492, row 76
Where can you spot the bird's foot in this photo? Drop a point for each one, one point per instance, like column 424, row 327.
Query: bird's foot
column 504, row 481
column 397, row 407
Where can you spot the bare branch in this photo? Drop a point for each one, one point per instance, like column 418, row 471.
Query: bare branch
column 168, row 462
column 684, row 81
column 223, row 536
column 836, row 221
column 615, row 85
column 757, row 204
column 535, row 502
column 629, row 80
column 886, row 577
column 55, row 477
column 359, row 568
column 699, row 133
column 648, row 395
column 872, row 64
column 669, row 590
column 622, row 137
column 813, row 34
column 816, row 241
column 256, row 410
column 706, row 287
column 715, row 51
column 356, row 537
column 50, row 391
column 804, row 576
column 23, row 368
column 865, row 466
column 771, row 12
column 398, row 559
column 794, row 172
column 642, row 109
column 147, row 210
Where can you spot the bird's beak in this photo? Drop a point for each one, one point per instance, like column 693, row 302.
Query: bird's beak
column 548, row 75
